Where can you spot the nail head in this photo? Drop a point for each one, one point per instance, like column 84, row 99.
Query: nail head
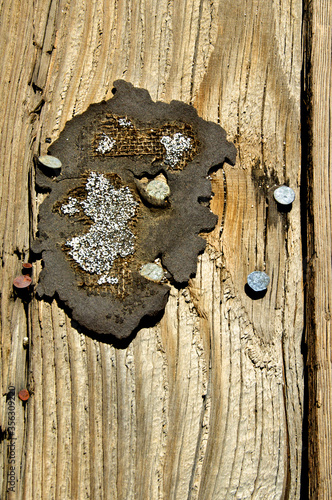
column 24, row 395
column 258, row 281
column 284, row 195
column 22, row 281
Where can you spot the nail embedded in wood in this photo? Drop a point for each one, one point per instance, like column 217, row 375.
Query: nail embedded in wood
column 24, row 395
column 22, row 281
column 258, row 281
column 26, row 268
column 25, row 342
column 284, row 195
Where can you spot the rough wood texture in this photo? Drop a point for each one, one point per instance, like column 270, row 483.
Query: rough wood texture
column 208, row 403
column 319, row 280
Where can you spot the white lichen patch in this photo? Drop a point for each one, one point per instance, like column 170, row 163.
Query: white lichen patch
column 105, row 144
column 109, row 236
column 123, row 122
column 70, row 208
column 175, row 147
column 107, row 279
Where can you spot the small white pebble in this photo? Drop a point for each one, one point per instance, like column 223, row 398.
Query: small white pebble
column 152, row 272
column 158, row 189
column 50, row 162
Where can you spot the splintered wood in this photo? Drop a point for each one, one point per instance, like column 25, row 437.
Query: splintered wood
column 208, row 403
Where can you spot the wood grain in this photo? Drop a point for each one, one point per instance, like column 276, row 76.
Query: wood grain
column 208, row 403
column 319, row 278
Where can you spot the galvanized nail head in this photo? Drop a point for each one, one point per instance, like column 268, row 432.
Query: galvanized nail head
column 258, row 281
column 284, row 195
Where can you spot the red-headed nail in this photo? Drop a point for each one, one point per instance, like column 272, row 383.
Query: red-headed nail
column 24, row 395
column 22, row 281
column 27, row 268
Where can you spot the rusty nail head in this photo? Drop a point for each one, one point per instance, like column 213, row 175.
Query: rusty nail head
column 22, row 281
column 258, row 281
column 26, row 265
column 24, row 395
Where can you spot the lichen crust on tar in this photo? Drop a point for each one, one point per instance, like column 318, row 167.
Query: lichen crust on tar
column 105, row 144
column 109, row 236
column 175, row 147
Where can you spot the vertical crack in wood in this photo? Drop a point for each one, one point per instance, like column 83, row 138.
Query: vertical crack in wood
column 311, row 435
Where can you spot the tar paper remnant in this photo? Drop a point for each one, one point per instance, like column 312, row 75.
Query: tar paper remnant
column 109, row 236
column 175, row 147
column 125, row 218
column 105, row 144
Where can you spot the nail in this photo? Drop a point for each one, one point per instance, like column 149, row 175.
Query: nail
column 27, row 268
column 258, row 281
column 22, row 281
column 25, row 342
column 24, row 395
column 284, row 195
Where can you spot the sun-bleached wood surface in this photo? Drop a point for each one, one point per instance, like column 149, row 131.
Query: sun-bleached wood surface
column 319, row 276
column 208, row 403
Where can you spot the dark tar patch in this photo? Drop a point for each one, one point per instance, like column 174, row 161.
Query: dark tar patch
column 97, row 229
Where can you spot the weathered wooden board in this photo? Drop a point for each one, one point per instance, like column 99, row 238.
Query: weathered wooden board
column 318, row 79
column 208, row 403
